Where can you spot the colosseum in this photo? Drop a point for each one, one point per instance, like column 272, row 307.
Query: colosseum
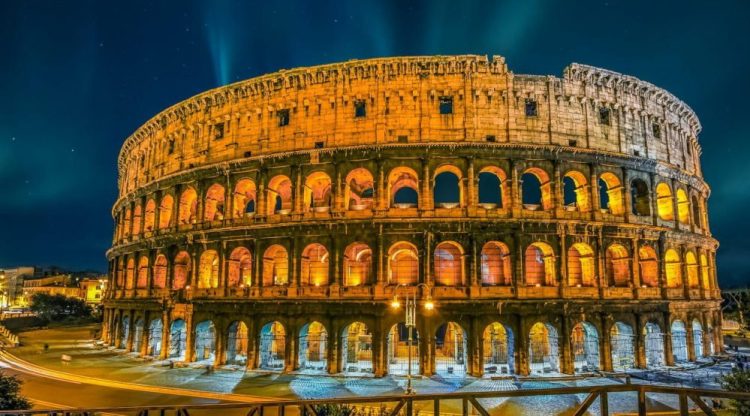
column 525, row 224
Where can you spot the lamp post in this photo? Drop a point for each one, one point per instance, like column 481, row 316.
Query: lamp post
column 411, row 313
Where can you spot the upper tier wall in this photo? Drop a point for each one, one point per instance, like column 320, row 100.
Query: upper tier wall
column 402, row 99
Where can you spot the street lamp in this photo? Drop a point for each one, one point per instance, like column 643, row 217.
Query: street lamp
column 411, row 313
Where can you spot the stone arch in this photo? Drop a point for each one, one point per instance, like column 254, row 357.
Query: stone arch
column 403, row 264
column 673, row 268
column 617, row 266
column 177, row 340
column 356, row 349
column 664, row 202
column 536, row 189
column 208, row 270
column 137, row 217
column 398, row 348
column 498, row 349
column 496, row 264
column 705, row 276
column 272, row 346
column 640, row 197
column 544, row 354
column 691, row 263
column 213, row 210
column 275, row 266
column 237, row 343
column 683, row 207
column 654, row 343
column 165, row 211
column 581, row 266
column 492, row 188
column 315, row 259
column 697, row 338
column 126, row 223
column 188, row 206
column 357, row 264
column 403, row 187
column 124, row 332
column 138, row 328
column 205, row 341
column 448, row 264
column 142, row 276
column 447, row 191
column 240, row 267
column 245, row 198
column 155, row 331
column 696, row 207
column 585, row 346
column 450, row 350
column 130, row 274
column 610, row 193
column 539, row 262
column 313, row 348
column 120, row 273
column 679, row 341
column 359, row 192
column 576, row 194
column 279, row 195
column 648, row 266
column 150, row 216
column 317, row 192
column 181, row 270
column 622, row 339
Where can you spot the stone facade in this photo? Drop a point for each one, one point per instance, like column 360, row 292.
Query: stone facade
column 577, row 203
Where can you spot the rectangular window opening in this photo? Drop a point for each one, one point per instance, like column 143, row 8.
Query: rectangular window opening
column 219, row 131
column 572, row 142
column 283, row 117
column 319, row 145
column 360, row 108
column 490, row 138
column 604, row 116
column 530, row 108
column 446, row 105
column 403, row 139
column 656, row 129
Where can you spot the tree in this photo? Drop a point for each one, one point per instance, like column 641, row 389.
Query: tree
column 738, row 380
column 52, row 307
column 10, row 394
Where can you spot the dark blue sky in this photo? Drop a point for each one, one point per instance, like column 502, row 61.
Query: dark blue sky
column 76, row 78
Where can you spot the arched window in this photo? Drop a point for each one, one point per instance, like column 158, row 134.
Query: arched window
column 447, row 192
column 448, row 264
column 314, row 265
column 403, row 264
column 697, row 220
column 137, row 217
column 279, row 195
column 181, row 270
column 496, row 270
column 245, row 198
column 403, row 185
column 581, row 267
column 126, row 223
column 275, row 266
column 672, row 265
column 648, row 266
column 142, row 275
column 360, row 190
column 160, row 272
column 130, row 274
column 610, row 193
column 357, row 264
column 539, row 265
column 683, row 207
column 664, row 202
column 536, row 192
column 240, row 267
column 165, row 211
column 120, row 274
column 208, row 270
column 492, row 192
column 640, row 197
column 317, row 192
column 148, row 221
column 576, row 192
column 705, row 273
column 618, row 266
column 188, row 206
column 214, row 208
column 692, row 270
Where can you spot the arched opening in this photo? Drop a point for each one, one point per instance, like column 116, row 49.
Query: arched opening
column 623, row 346
column 610, row 193
column 446, row 190
column 181, row 270
column 544, row 356
column 673, row 268
column 654, row 341
column 130, row 274
column 272, row 346
column 165, row 211
column 704, row 273
column 576, row 192
column 448, row 263
column 495, row 267
column 126, row 223
column 664, row 202
column 120, row 274
column 124, row 332
column 237, row 337
column 313, row 344
column 450, row 350
column 536, row 192
column 403, row 264
column 356, row 349
column 137, row 217
column 696, row 212
column 208, row 270
column 679, row 341
column 639, row 193
column 155, row 331
column 648, row 266
column 403, row 185
column 697, row 338
column 317, row 192
column 214, row 208
column 585, row 345
column 539, row 262
column 245, row 198
column 240, row 268
column 205, row 341
column 618, row 266
column 498, row 347
column 360, row 190
column 398, row 350
column 692, row 270
column 314, row 265
column 492, row 192
column 710, row 343
column 177, row 340
column 275, row 266
column 138, row 329
column 581, row 266
column 357, row 264
column 683, row 207
column 279, row 195
column 150, row 216
column 188, row 206
column 160, row 272
column 142, row 280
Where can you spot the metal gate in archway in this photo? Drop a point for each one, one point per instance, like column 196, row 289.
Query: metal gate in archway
column 177, row 339
column 654, row 343
column 398, row 350
column 272, row 347
column 313, row 347
column 237, row 343
column 155, row 329
column 356, row 344
column 137, row 336
column 543, row 349
column 450, row 350
column 623, row 346
column 585, row 345
column 124, row 332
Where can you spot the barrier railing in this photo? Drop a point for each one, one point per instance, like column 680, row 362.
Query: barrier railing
column 393, row 405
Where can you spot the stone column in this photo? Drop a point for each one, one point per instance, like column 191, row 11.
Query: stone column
column 426, row 197
column 165, row 335
column 261, row 195
column 605, row 346
column 290, row 352
column 381, row 194
column 640, row 342
column 668, row 353
column 427, row 276
column 378, row 349
column 333, row 350
column 566, row 353
column 472, row 199
column 252, row 344
column 522, row 353
column 690, row 340
column 189, row 338
column 220, row 356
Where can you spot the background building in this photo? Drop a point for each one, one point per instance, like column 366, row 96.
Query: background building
column 11, row 284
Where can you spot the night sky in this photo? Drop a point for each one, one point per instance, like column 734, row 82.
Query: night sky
column 77, row 78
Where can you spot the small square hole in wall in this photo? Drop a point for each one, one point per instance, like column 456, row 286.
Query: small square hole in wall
column 248, row 154
column 283, row 117
column 403, row 139
column 604, row 116
column 360, row 108
column 656, row 129
column 636, row 153
column 319, row 145
column 530, row 108
column 490, row 138
column 446, row 105
column 572, row 142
